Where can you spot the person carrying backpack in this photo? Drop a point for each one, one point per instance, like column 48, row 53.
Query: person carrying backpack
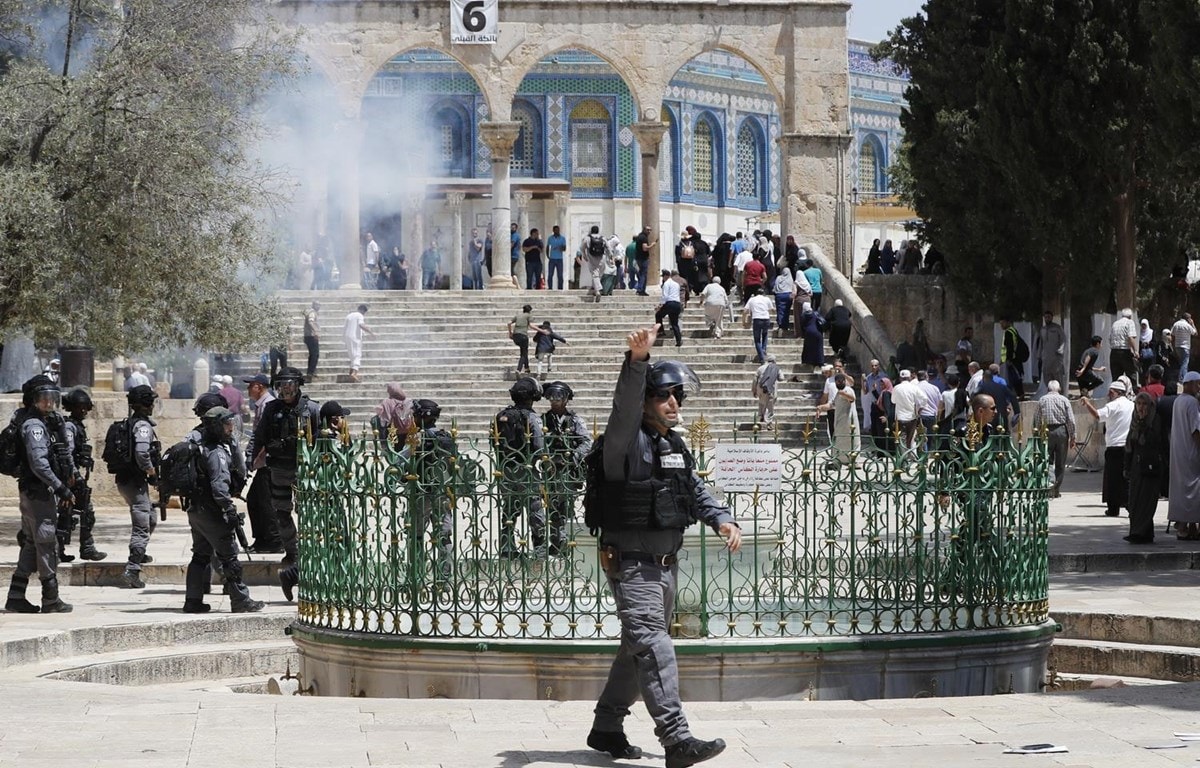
column 213, row 518
column 519, row 442
column 596, row 250
column 43, row 484
column 567, row 443
column 78, row 404
column 646, row 495
column 134, row 476
column 432, row 463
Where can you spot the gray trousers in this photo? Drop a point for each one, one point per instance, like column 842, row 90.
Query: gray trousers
column 213, row 538
column 1056, row 440
column 433, row 513
column 645, row 662
column 137, row 495
column 39, row 547
column 283, row 480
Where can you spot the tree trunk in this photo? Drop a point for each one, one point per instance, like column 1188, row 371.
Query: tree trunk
column 1126, row 249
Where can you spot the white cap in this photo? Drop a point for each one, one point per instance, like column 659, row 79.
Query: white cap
column 905, row 374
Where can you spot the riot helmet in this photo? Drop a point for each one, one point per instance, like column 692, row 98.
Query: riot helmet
column 426, row 413
column 77, row 399
column 526, row 390
column 218, row 423
column 208, row 401
column 142, row 395
column 671, row 377
column 287, row 383
column 41, row 393
column 558, row 390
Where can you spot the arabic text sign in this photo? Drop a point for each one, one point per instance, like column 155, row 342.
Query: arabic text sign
column 746, row 467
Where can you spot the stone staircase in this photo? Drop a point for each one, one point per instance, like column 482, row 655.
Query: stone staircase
column 1134, row 649
column 453, row 348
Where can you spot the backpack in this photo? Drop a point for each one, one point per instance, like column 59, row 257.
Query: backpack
column 118, row 448
column 596, row 247
column 512, row 424
column 1022, row 348
column 687, row 252
column 12, row 449
column 181, row 473
column 593, row 486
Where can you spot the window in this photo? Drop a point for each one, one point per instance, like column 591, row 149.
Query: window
column 666, row 157
column 868, row 169
column 450, row 155
column 590, row 139
column 527, row 151
column 748, row 183
column 702, row 158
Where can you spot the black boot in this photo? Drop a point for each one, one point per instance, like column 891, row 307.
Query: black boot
column 614, row 743
column 16, row 596
column 196, row 606
column 63, row 557
column 50, row 600
column 89, row 552
column 693, row 751
column 289, row 578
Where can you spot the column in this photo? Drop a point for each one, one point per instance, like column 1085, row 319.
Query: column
column 522, row 199
column 412, row 223
column 649, row 136
column 813, row 192
column 562, row 204
column 348, row 242
column 500, row 137
column 455, row 201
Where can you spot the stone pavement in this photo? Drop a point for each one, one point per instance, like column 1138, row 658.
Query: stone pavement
column 48, row 722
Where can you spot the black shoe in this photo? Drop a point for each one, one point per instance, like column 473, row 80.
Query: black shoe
column 147, row 559
column 57, row 606
column 91, row 554
column 266, row 549
column 614, row 744
column 288, row 579
column 20, row 605
column 693, row 751
column 249, row 606
column 196, row 606
column 131, row 580
column 63, row 557
column 1111, row 513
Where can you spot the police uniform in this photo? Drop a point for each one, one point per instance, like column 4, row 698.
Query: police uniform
column 644, row 577
column 567, row 443
column 81, row 454
column 135, row 489
column 519, row 483
column 432, row 465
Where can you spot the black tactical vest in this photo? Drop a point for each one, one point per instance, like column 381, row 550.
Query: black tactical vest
column 666, row 501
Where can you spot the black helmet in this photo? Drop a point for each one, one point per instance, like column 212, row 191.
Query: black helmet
column 77, row 397
column 288, row 373
column 142, row 394
column 214, row 421
column 669, row 375
column 426, row 411
column 33, row 389
column 526, row 389
column 558, row 390
column 208, row 401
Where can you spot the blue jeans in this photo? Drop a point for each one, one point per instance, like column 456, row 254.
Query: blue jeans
column 643, row 266
column 477, row 276
column 783, row 310
column 428, row 279
column 1185, row 357
column 533, row 270
column 556, row 266
column 762, row 328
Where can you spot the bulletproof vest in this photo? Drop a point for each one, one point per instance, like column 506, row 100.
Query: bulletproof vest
column 58, row 449
column 83, row 448
column 435, row 448
column 282, row 428
column 155, row 444
column 663, row 502
column 560, row 432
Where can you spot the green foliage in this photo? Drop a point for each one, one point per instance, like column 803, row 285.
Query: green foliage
column 1030, row 122
column 132, row 209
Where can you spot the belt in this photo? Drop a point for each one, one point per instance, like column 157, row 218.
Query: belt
column 1055, row 426
column 662, row 561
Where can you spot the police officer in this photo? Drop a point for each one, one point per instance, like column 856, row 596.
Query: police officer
column 263, row 525
column 519, row 443
column 431, row 456
column 277, row 431
column 43, row 487
column 567, row 443
column 134, row 483
column 650, row 494
column 213, row 518
column 78, row 404
column 237, row 465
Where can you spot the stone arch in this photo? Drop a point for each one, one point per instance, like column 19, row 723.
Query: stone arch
column 522, row 63
column 872, row 166
column 686, row 53
column 317, row 63
column 374, row 65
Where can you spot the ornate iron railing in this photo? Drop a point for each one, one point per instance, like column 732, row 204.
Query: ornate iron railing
column 950, row 537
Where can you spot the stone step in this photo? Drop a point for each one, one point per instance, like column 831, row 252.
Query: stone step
column 1156, row 662
column 1141, row 630
column 182, row 664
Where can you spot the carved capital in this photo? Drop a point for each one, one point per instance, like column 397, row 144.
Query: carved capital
column 649, row 135
column 522, row 199
column 455, row 199
column 562, row 199
column 500, row 137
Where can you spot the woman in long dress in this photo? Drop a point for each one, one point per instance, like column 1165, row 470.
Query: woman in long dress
column 1144, row 464
column 814, row 341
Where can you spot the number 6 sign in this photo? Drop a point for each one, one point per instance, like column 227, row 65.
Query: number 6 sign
column 474, row 21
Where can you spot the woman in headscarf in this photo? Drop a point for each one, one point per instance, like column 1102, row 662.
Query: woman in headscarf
column 395, row 411
column 814, row 341
column 887, row 258
column 791, row 252
column 1146, row 352
column 840, row 323
column 1144, row 465
column 873, row 266
column 1168, row 358
column 882, row 417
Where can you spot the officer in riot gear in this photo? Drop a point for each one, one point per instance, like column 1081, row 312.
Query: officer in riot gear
column 134, row 483
column 213, row 518
column 650, row 494
column 44, row 486
column 237, row 465
column 278, row 430
column 567, row 443
column 78, row 404
column 431, row 456
column 517, row 432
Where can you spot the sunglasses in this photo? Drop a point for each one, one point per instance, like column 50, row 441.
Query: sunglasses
column 663, row 394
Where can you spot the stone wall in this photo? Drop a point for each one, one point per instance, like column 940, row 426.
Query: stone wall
column 899, row 301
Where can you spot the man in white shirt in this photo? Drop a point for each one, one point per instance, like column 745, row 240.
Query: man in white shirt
column 906, row 400
column 714, row 299
column 1123, row 347
column 671, row 306
column 371, row 275
column 930, row 407
column 356, row 326
column 975, row 371
column 1116, row 417
column 1182, row 332
column 759, row 308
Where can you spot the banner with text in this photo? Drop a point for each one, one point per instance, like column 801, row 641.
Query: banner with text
column 474, row 22
column 749, row 467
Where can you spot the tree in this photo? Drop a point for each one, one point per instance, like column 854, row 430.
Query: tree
column 133, row 210
column 1037, row 145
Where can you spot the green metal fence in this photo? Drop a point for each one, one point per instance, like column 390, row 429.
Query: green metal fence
column 412, row 543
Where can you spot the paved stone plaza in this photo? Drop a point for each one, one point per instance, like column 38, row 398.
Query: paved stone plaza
column 46, row 722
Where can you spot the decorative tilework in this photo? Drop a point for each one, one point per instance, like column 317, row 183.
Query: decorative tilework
column 554, row 135
column 685, row 155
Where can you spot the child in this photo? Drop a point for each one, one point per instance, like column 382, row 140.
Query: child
column 545, row 345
